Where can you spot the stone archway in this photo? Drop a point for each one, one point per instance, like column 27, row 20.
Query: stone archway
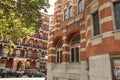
column 19, row 65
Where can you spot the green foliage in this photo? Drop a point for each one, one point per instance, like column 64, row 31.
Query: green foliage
column 20, row 18
column 1, row 69
column 27, row 70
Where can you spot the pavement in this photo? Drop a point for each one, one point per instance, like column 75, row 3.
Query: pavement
column 22, row 78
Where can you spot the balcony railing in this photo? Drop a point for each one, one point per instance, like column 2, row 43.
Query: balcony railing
column 27, row 45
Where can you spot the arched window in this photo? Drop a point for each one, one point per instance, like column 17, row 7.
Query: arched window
column 75, row 43
column 29, row 54
column 28, row 64
column 59, row 52
column 59, row 45
column 80, row 6
column 60, row 56
column 77, row 54
column 57, row 56
column 75, row 39
column 5, row 52
column 17, row 54
column 65, row 14
column 70, row 12
column 72, row 55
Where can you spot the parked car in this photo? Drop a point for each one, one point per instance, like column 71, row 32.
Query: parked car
column 36, row 74
column 11, row 73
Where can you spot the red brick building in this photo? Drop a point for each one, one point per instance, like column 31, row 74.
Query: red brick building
column 28, row 54
column 85, row 40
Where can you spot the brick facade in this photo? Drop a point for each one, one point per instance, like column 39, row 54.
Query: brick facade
column 31, row 54
column 106, row 44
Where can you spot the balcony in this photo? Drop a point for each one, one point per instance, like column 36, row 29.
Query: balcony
column 42, row 37
column 7, row 55
column 44, row 29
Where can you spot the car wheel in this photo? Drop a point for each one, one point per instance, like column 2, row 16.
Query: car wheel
column 32, row 76
column 5, row 76
column 19, row 75
column 2, row 76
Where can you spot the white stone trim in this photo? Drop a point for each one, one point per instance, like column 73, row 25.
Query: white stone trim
column 57, row 9
column 66, row 52
column 56, row 23
column 57, row 5
column 107, row 34
column 50, row 42
column 88, row 29
column 83, row 40
column 116, row 35
column 55, row 29
column 64, row 37
column 105, row 5
column 59, row 13
column 106, row 19
column 58, row 18
column 83, row 31
column 50, row 36
column 65, row 45
column 82, row 49
column 51, row 55
column 88, row 17
column 64, row 30
column 96, row 40
column 52, row 48
column 114, row 0
column 88, row 42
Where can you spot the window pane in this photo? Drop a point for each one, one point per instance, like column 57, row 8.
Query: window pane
column 65, row 14
column 72, row 55
column 59, row 44
column 75, row 39
column 58, row 57
column 117, row 14
column 80, row 6
column 77, row 54
column 96, row 24
column 70, row 11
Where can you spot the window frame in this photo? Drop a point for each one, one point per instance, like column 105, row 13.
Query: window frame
column 98, row 33
column 58, row 52
column 74, row 46
column 80, row 10
column 65, row 14
column 70, row 11
column 117, row 26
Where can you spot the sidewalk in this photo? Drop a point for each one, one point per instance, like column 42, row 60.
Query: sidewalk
column 22, row 78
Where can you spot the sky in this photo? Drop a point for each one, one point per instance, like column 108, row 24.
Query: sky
column 51, row 9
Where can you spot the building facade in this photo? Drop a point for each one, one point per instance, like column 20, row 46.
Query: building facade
column 85, row 40
column 28, row 54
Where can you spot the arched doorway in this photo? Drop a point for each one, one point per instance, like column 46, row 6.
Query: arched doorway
column 19, row 65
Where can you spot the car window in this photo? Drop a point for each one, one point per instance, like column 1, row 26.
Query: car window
column 13, row 71
column 6, row 71
column 37, row 72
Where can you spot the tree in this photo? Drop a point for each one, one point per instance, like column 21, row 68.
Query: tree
column 20, row 18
